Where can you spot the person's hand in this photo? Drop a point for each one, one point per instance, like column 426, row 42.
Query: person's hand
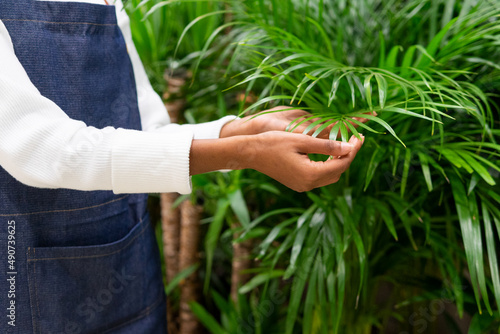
column 284, row 157
column 277, row 121
column 278, row 154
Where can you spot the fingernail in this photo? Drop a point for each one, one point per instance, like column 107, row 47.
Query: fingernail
column 375, row 113
column 346, row 146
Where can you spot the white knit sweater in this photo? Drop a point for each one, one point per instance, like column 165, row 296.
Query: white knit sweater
column 42, row 147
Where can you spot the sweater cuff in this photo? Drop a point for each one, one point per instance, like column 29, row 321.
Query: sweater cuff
column 151, row 162
column 210, row 130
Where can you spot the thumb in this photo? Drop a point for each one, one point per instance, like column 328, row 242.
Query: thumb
column 324, row 146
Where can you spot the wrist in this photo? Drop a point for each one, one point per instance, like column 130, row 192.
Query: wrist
column 237, row 127
column 209, row 155
column 247, row 151
column 230, row 129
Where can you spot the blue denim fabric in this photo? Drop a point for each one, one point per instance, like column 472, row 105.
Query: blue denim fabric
column 85, row 262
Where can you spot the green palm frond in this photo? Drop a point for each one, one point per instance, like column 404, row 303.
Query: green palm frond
column 422, row 217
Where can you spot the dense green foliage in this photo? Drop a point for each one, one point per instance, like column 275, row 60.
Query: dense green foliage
column 417, row 215
column 157, row 28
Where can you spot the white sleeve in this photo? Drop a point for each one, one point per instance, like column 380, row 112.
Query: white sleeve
column 154, row 115
column 42, row 147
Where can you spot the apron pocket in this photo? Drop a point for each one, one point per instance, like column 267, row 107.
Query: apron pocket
column 92, row 289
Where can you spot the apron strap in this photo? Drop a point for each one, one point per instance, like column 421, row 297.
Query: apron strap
column 53, row 11
column 15, row 9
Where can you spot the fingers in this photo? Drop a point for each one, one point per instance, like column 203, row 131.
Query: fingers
column 324, row 146
column 300, row 125
column 283, row 156
column 296, row 121
column 364, row 120
column 344, row 162
column 326, row 132
column 341, row 164
column 330, row 171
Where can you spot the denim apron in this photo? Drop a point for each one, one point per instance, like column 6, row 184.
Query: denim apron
column 74, row 261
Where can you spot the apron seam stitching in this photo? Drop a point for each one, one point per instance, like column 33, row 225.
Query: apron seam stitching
column 36, row 293
column 52, row 22
column 62, row 211
column 92, row 256
column 147, row 311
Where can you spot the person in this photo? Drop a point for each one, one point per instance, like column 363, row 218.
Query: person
column 83, row 138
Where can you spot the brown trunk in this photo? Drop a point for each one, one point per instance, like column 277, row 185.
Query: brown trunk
column 170, row 223
column 174, row 95
column 189, row 256
column 228, row 17
column 242, row 262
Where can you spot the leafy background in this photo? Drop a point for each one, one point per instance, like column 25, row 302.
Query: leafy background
column 408, row 240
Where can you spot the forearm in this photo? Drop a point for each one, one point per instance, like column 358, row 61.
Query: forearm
column 280, row 155
column 209, row 155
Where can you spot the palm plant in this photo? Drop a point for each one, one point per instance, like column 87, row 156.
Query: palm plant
column 430, row 70
column 156, row 28
column 416, row 215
